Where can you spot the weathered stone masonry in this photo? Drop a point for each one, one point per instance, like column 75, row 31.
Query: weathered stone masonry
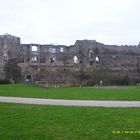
column 87, row 61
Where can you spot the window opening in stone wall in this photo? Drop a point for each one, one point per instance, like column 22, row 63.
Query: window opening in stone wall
column 97, row 60
column 52, row 59
column 5, row 58
column 61, row 49
column 91, row 55
column 52, row 50
column 34, row 48
column 34, row 59
column 75, row 60
column 28, row 78
column 80, row 61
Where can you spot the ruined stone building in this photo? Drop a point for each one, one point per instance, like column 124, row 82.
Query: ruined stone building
column 86, row 62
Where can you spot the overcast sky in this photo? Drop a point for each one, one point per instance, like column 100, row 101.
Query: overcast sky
column 65, row 21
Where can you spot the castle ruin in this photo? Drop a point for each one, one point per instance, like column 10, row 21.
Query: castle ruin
column 84, row 63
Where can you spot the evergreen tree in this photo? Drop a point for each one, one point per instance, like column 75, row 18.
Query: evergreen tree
column 12, row 70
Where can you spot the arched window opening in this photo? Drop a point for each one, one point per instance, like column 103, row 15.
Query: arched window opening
column 97, row 60
column 34, row 48
column 28, row 78
column 75, row 60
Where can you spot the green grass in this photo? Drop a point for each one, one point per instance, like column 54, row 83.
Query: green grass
column 36, row 122
column 82, row 93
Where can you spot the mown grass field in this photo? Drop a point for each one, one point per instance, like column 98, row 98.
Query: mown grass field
column 36, row 122
column 74, row 93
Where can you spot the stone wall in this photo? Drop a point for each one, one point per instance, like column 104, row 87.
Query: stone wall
column 87, row 61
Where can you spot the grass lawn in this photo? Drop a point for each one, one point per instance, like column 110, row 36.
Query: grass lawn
column 82, row 93
column 36, row 122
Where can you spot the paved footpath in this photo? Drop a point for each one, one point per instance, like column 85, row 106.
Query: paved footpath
column 70, row 102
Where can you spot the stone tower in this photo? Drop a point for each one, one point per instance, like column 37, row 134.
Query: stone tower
column 9, row 48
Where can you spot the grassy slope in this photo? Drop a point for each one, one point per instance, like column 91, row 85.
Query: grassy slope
column 33, row 122
column 87, row 93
